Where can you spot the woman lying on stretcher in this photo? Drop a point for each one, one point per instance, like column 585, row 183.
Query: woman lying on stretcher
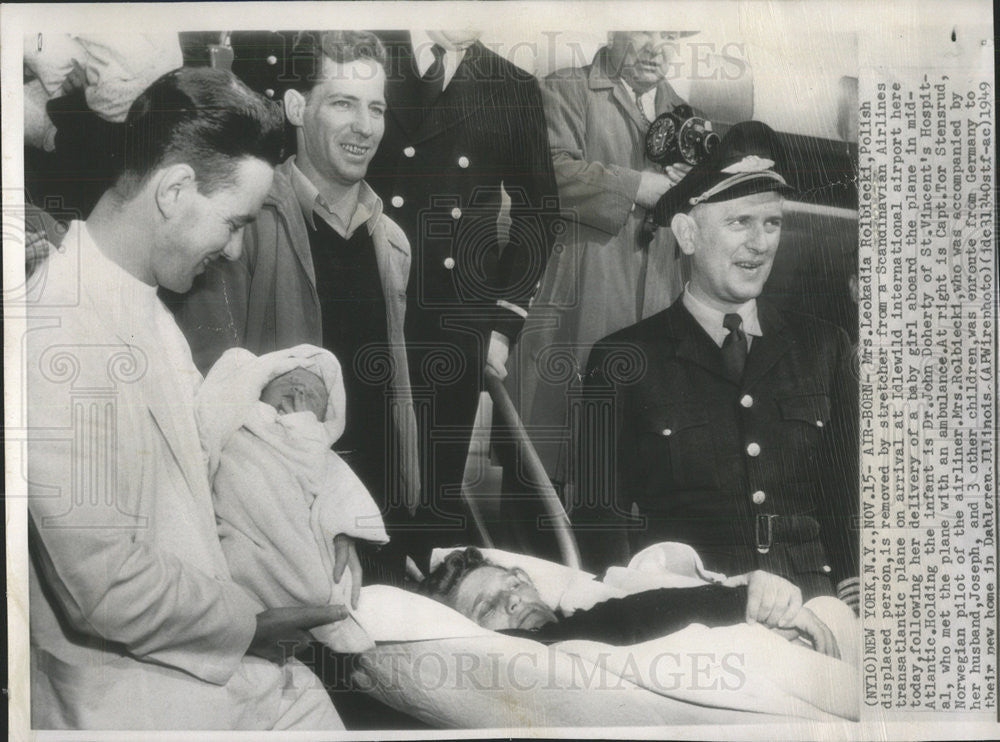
column 507, row 600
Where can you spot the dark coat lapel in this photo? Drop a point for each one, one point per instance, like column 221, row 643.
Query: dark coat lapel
column 693, row 343
column 768, row 349
column 403, row 84
column 477, row 81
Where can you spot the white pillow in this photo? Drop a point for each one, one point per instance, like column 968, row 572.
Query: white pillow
column 381, row 608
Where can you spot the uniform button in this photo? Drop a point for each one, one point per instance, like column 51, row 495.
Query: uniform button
column 269, row 92
column 826, row 568
column 409, row 151
column 819, row 423
column 758, row 497
column 397, row 201
column 666, row 431
column 753, row 449
column 463, row 161
column 456, row 213
column 272, row 60
column 449, row 263
column 746, row 400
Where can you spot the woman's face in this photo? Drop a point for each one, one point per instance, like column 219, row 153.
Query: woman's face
column 497, row 598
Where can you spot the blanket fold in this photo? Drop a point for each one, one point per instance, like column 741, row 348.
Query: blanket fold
column 281, row 494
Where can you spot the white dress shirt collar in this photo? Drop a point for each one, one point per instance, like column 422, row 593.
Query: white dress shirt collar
column 711, row 318
column 424, row 57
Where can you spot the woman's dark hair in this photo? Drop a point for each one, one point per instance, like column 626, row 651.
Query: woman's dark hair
column 201, row 116
column 450, row 572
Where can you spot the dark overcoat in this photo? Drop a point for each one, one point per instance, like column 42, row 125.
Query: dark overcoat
column 439, row 171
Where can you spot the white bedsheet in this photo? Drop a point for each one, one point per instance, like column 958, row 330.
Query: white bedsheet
column 447, row 671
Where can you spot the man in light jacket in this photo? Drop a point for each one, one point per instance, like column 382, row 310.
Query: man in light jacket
column 135, row 620
column 323, row 265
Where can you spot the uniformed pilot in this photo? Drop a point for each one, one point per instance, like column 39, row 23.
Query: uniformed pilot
column 735, row 425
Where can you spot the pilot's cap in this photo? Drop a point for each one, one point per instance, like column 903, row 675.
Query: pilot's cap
column 747, row 161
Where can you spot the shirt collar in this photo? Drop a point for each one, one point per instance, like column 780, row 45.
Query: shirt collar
column 424, row 57
column 647, row 100
column 649, row 94
column 711, row 318
column 344, row 217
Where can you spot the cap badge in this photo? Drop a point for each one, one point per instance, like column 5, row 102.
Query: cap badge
column 749, row 164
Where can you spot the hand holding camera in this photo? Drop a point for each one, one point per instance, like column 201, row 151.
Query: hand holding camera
column 676, row 141
column 680, row 136
column 654, row 184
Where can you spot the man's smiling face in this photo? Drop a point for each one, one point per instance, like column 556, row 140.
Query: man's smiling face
column 209, row 226
column 732, row 245
column 344, row 119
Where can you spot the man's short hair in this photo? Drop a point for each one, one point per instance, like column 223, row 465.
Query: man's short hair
column 342, row 47
column 449, row 574
column 203, row 117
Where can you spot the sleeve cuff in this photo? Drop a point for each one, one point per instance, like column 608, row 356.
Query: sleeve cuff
column 849, row 591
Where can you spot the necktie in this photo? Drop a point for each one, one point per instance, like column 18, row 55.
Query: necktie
column 642, row 111
column 432, row 81
column 734, row 347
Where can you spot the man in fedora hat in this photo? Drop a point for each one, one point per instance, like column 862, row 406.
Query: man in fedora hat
column 735, row 425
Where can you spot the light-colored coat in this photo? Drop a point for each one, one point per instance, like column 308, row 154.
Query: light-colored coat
column 602, row 277
column 267, row 301
column 135, row 621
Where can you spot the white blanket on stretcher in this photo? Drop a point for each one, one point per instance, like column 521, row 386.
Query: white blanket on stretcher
column 744, row 668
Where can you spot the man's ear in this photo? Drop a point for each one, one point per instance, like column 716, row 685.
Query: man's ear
column 295, row 106
column 173, row 184
column 685, row 229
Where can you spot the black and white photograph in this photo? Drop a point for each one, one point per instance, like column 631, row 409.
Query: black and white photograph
column 430, row 370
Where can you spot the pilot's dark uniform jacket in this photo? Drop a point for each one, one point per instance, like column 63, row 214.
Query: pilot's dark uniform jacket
column 759, row 474
column 755, row 464
column 439, row 171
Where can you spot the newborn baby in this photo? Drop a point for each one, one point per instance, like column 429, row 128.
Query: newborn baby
column 297, row 390
column 284, row 500
column 506, row 600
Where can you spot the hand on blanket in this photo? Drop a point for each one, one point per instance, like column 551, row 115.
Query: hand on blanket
column 771, row 600
column 346, row 555
column 806, row 624
column 280, row 631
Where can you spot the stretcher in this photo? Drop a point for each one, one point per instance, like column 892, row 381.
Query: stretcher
column 444, row 671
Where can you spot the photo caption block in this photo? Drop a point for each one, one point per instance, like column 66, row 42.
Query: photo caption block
column 928, row 378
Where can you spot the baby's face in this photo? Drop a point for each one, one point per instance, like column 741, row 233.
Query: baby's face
column 296, row 391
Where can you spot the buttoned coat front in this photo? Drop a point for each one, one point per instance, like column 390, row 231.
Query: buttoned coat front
column 439, row 170
column 442, row 169
column 760, row 474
